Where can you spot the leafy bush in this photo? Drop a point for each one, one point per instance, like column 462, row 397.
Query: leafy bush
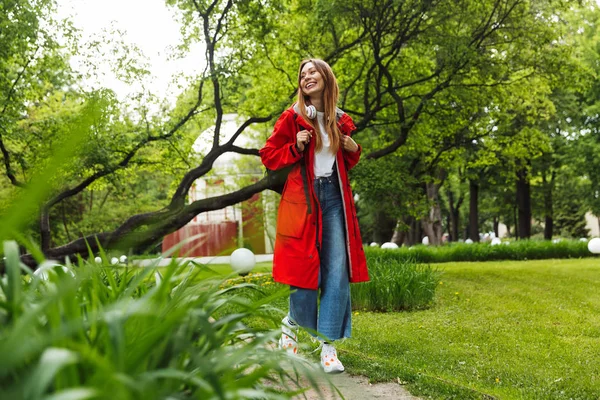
column 395, row 285
column 455, row 252
column 96, row 331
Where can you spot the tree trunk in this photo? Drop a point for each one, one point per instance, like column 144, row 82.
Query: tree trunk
column 432, row 224
column 414, row 235
column 455, row 224
column 548, row 209
column 454, row 216
column 516, row 222
column 64, row 220
column 496, row 226
column 45, row 229
column 524, row 204
column 399, row 236
column 400, row 233
column 473, row 210
column 384, row 229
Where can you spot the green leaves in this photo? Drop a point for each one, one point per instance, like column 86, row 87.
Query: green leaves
column 114, row 333
column 27, row 203
column 51, row 362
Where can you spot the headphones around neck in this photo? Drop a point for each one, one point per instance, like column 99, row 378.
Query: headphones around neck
column 311, row 111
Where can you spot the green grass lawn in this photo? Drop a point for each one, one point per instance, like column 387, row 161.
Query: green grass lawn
column 508, row 330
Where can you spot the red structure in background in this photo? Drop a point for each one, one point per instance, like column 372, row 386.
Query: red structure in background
column 219, row 229
column 217, row 238
column 253, row 224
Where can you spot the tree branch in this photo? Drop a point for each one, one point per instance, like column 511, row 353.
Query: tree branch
column 45, row 210
column 210, row 55
column 406, row 124
column 126, row 238
column 178, row 198
column 17, row 79
column 246, row 124
column 220, row 22
column 7, row 165
column 5, row 153
column 240, row 150
column 128, row 155
column 283, row 71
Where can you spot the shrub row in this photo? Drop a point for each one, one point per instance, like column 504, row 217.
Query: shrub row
column 401, row 279
column 518, row 250
column 395, row 285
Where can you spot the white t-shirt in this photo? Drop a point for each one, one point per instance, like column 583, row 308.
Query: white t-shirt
column 324, row 158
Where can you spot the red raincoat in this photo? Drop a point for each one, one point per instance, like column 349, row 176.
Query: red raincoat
column 299, row 224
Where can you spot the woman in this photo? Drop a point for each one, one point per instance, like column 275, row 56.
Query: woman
column 318, row 249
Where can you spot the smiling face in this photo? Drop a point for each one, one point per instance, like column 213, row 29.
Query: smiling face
column 311, row 81
column 318, row 87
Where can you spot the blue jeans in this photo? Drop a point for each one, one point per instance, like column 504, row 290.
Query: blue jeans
column 330, row 313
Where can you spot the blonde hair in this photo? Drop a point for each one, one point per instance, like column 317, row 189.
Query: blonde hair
column 330, row 97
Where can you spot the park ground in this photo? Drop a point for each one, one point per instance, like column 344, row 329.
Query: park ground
column 496, row 330
column 507, row 330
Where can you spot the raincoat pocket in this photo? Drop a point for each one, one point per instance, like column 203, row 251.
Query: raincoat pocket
column 291, row 218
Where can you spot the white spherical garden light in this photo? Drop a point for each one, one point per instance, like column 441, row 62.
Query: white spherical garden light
column 389, row 245
column 49, row 267
column 496, row 241
column 242, row 261
column 374, row 244
column 469, row 241
column 41, row 273
column 98, row 260
column 425, row 241
column 594, row 245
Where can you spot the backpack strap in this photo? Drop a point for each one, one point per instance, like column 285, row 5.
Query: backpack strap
column 304, row 174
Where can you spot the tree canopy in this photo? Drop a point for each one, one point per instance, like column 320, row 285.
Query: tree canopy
column 494, row 101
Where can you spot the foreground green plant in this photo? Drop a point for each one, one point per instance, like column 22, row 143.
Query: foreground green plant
column 95, row 331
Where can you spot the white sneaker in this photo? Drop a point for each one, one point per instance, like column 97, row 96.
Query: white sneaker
column 289, row 336
column 330, row 361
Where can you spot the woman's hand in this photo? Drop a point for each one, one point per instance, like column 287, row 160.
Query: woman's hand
column 349, row 144
column 302, row 138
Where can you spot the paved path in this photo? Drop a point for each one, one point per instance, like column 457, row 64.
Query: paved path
column 359, row 388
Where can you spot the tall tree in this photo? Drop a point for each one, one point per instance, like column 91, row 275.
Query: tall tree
column 398, row 62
